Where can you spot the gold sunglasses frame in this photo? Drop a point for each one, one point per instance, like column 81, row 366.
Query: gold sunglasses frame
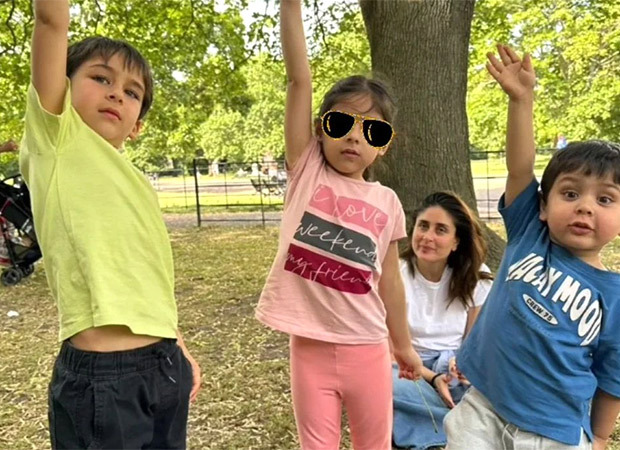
column 358, row 118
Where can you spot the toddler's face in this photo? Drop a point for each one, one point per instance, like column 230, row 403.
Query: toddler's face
column 583, row 214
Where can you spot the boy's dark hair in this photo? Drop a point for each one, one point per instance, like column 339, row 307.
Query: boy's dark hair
column 597, row 158
column 105, row 48
column 470, row 253
column 355, row 85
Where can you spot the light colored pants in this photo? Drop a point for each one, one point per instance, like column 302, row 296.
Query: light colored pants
column 324, row 376
column 474, row 424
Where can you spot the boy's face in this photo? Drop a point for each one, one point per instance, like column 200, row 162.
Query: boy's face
column 583, row 214
column 108, row 98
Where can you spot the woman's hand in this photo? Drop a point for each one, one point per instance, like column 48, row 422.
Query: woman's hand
column 443, row 389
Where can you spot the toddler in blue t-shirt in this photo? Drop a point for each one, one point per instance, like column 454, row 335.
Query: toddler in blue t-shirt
column 544, row 355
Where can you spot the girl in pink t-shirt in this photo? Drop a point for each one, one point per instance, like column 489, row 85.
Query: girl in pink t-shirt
column 335, row 284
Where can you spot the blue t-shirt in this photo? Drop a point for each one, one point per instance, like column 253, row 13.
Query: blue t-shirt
column 548, row 334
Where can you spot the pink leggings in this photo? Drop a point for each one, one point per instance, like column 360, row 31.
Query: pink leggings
column 324, row 375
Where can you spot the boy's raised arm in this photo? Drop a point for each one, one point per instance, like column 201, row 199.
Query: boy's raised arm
column 49, row 52
column 517, row 79
column 298, row 110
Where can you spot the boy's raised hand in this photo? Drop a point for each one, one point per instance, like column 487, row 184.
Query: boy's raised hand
column 49, row 52
column 516, row 76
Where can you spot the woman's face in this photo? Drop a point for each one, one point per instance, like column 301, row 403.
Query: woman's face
column 434, row 236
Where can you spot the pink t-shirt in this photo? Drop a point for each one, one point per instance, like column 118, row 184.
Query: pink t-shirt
column 334, row 235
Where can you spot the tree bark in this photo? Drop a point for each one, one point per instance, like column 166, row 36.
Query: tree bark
column 420, row 48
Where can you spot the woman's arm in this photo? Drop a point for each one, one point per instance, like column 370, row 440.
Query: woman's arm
column 472, row 315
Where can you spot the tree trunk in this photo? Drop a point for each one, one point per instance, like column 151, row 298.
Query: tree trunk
column 420, row 48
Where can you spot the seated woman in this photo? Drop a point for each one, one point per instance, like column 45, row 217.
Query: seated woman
column 446, row 283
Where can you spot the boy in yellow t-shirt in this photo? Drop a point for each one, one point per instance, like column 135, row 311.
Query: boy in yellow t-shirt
column 123, row 378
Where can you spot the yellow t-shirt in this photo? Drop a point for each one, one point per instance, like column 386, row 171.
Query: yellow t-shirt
column 105, row 246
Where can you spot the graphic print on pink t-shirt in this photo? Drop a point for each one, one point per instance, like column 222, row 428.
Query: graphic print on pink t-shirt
column 339, row 240
column 349, row 210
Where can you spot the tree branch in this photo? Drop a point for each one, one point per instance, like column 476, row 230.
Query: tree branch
column 99, row 14
column 10, row 28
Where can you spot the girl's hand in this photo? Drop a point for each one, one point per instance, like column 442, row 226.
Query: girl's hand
column 409, row 364
column 516, row 77
column 443, row 389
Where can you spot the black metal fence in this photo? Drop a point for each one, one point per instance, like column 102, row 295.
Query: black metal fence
column 227, row 191
column 253, row 192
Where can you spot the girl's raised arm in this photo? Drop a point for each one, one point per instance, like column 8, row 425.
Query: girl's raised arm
column 298, row 110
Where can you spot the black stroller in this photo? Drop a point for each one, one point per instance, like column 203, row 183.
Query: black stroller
column 19, row 249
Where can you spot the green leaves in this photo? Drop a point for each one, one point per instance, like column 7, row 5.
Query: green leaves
column 576, row 51
column 220, row 85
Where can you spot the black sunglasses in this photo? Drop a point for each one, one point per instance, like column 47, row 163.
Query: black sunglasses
column 338, row 124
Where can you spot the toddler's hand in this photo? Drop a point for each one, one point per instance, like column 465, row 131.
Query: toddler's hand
column 454, row 372
column 516, row 77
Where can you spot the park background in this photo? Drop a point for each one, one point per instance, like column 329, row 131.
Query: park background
column 219, row 102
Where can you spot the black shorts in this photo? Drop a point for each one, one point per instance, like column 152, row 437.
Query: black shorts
column 120, row 400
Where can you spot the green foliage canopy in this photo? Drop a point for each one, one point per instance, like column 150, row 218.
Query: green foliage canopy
column 220, row 83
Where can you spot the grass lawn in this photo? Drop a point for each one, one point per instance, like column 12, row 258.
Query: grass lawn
column 178, row 202
column 245, row 400
column 495, row 165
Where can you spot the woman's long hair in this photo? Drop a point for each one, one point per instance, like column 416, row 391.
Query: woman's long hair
column 470, row 253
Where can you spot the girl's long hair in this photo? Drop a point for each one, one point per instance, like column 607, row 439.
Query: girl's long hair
column 470, row 253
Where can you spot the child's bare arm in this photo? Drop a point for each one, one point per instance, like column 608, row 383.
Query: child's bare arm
column 49, row 52
column 517, row 79
column 8, row 146
column 298, row 111
column 196, row 374
column 605, row 409
column 392, row 292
